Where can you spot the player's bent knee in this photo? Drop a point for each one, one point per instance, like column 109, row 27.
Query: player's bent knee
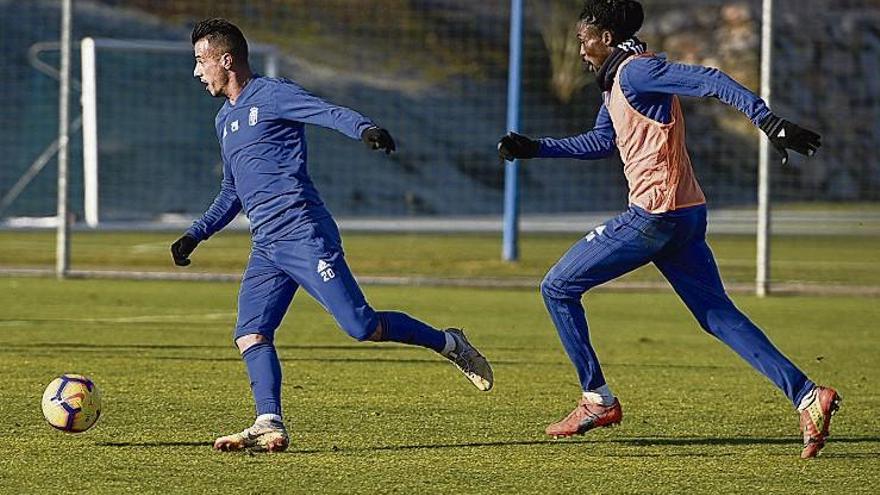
column 245, row 342
column 378, row 334
column 360, row 322
column 361, row 331
column 553, row 288
column 547, row 290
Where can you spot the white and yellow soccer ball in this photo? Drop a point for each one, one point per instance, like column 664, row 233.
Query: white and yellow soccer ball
column 72, row 403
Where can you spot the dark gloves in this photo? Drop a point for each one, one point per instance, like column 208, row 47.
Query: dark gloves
column 784, row 136
column 182, row 248
column 379, row 139
column 513, row 146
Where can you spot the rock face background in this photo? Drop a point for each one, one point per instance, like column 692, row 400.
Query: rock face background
column 826, row 74
column 435, row 72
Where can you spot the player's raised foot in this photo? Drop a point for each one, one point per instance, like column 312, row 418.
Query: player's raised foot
column 263, row 436
column 816, row 420
column 468, row 359
column 585, row 417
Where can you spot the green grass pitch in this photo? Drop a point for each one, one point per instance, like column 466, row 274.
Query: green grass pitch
column 383, row 418
column 838, row 260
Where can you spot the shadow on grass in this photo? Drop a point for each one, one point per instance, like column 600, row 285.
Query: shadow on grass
column 231, row 355
column 729, row 441
column 368, row 347
column 307, row 360
column 852, row 455
column 230, row 347
column 335, row 449
column 574, row 443
column 155, row 444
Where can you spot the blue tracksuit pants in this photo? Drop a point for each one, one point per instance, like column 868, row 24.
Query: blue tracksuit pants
column 311, row 257
column 676, row 243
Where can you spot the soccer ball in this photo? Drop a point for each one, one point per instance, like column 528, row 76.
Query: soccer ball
column 72, row 403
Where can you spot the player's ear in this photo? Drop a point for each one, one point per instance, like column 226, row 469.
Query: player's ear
column 226, row 60
column 607, row 37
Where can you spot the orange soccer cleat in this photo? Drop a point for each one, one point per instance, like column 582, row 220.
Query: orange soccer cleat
column 816, row 420
column 585, row 417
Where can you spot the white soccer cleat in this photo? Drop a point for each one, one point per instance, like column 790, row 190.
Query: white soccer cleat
column 263, row 436
column 469, row 360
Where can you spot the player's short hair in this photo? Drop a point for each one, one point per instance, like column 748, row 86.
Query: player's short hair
column 223, row 35
column 622, row 17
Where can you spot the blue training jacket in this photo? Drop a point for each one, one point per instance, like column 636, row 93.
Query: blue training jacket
column 648, row 84
column 265, row 172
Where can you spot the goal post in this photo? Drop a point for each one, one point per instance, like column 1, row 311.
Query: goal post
column 91, row 48
column 89, row 132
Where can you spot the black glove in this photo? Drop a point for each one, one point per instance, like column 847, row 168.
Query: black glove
column 513, row 146
column 784, row 136
column 379, row 139
column 182, row 248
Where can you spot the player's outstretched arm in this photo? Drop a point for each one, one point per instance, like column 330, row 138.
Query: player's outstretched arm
column 596, row 143
column 656, row 75
column 296, row 104
column 784, row 136
column 378, row 139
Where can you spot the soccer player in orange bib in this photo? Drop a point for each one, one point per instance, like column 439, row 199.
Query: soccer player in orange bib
column 665, row 223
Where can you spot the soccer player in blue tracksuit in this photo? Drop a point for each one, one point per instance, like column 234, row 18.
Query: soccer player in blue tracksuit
column 261, row 129
column 666, row 220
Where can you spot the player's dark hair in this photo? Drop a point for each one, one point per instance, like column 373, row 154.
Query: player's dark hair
column 223, row 35
column 622, row 17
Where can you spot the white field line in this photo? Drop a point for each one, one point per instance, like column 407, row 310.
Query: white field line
column 127, row 319
column 803, row 288
column 746, row 262
column 151, row 247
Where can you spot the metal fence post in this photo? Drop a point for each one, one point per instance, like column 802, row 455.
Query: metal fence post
column 510, row 250
column 762, row 275
column 62, row 237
